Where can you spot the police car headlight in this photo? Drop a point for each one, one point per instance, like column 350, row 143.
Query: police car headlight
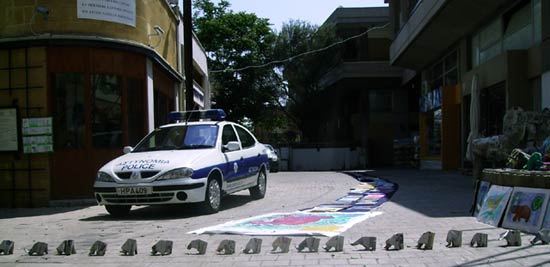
column 104, row 177
column 176, row 174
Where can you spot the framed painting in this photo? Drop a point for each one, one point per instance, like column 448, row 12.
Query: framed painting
column 494, row 204
column 481, row 193
column 526, row 209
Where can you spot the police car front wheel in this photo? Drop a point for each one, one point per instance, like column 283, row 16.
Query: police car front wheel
column 212, row 200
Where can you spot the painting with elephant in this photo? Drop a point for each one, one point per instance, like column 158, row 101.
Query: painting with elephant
column 526, row 209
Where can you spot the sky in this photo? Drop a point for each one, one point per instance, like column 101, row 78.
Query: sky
column 313, row 11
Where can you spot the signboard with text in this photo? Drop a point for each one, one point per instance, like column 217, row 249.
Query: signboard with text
column 37, row 135
column 119, row 11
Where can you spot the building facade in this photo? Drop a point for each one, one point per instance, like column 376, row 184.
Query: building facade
column 366, row 102
column 99, row 74
column 500, row 47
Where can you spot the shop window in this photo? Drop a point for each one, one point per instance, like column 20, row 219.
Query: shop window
column 106, row 111
column 69, row 105
column 434, row 121
column 135, row 110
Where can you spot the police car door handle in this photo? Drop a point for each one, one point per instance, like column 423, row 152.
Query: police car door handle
column 242, row 158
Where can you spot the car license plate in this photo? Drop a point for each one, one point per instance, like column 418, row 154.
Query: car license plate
column 133, row 191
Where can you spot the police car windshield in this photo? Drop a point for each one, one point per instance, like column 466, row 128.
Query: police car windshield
column 179, row 137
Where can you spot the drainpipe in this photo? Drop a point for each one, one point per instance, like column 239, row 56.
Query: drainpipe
column 188, row 54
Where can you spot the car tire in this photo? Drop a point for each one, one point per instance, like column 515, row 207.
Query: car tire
column 258, row 191
column 213, row 196
column 118, row 211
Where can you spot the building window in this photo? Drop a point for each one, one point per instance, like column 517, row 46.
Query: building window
column 69, row 106
column 106, row 111
column 135, row 110
column 492, row 109
column 380, row 100
column 537, row 21
column 413, row 5
column 518, row 28
column 445, row 72
column 163, row 107
column 518, row 32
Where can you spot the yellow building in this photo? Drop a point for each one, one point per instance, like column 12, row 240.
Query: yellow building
column 103, row 72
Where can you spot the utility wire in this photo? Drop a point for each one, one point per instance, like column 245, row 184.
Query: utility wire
column 302, row 54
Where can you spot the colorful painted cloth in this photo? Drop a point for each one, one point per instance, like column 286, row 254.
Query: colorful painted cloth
column 296, row 223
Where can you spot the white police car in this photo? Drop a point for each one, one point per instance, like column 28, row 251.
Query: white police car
column 195, row 161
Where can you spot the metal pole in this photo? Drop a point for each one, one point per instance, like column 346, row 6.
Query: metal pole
column 188, row 54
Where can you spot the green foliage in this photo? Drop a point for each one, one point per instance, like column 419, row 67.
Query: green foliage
column 303, row 74
column 277, row 99
column 235, row 40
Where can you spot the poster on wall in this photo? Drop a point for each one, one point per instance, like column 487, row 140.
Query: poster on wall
column 494, row 204
column 37, row 135
column 118, row 11
column 526, row 209
column 9, row 139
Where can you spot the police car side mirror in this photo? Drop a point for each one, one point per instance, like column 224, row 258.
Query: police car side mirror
column 231, row 146
column 127, row 149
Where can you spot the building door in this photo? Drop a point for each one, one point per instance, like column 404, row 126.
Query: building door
column 450, row 129
column 90, row 91
column 88, row 130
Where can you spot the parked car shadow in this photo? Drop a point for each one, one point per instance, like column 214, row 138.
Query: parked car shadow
column 170, row 212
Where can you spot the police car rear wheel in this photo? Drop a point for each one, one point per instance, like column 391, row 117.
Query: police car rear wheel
column 212, row 199
column 258, row 191
column 118, row 211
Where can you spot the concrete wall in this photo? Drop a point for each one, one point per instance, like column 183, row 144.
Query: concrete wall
column 320, row 159
column 24, row 179
column 16, row 20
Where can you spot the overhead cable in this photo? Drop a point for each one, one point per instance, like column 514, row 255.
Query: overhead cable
column 301, row 54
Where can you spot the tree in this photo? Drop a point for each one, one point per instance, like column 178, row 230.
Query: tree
column 233, row 41
column 304, row 44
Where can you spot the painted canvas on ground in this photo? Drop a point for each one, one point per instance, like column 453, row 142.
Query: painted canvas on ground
column 329, row 208
column 296, row 223
column 526, row 209
column 495, row 202
column 481, row 193
column 349, row 199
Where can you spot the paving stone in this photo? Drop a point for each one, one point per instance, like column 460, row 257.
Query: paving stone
column 434, row 211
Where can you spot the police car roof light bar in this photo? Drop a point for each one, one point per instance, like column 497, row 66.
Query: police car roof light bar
column 198, row 115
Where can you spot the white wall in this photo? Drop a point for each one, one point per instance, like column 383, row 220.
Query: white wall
column 545, row 90
column 150, row 96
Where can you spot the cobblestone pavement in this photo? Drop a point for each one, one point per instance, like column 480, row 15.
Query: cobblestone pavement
column 426, row 201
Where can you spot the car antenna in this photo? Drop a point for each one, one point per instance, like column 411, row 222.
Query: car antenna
column 189, row 114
